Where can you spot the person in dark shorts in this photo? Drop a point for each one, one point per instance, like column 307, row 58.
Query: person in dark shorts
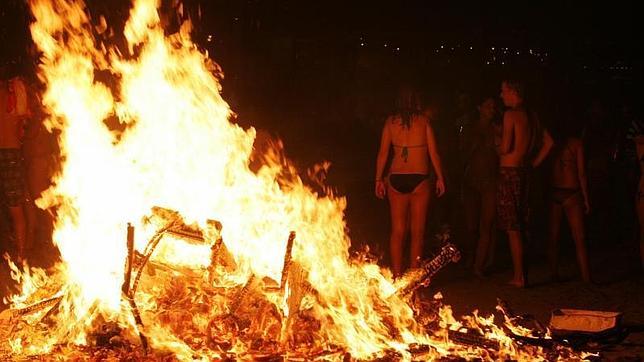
column 12, row 181
column 14, row 111
column 409, row 134
column 512, row 198
column 524, row 143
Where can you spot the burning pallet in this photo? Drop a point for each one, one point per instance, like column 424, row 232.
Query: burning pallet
column 249, row 315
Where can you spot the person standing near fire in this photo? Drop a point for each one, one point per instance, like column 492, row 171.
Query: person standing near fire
column 14, row 111
column 524, row 143
column 408, row 184
column 568, row 194
column 479, row 184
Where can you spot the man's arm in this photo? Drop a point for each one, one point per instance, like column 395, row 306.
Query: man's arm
column 506, row 138
column 546, row 146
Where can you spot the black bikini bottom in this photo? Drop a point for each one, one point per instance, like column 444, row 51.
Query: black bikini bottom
column 560, row 195
column 405, row 183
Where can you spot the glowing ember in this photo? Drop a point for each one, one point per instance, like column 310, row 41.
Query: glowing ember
column 172, row 165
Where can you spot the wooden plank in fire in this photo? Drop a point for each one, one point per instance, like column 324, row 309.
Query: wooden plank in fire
column 287, row 260
column 473, row 339
column 417, row 277
column 181, row 229
column 10, row 315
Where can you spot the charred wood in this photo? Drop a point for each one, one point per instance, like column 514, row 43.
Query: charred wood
column 473, row 339
column 287, row 260
column 418, row 277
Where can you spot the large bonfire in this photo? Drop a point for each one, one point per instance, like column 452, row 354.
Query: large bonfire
column 271, row 277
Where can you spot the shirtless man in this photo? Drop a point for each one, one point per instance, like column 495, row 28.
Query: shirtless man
column 568, row 193
column 13, row 113
column 520, row 132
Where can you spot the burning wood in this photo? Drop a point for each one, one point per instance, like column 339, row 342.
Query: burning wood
column 129, row 260
column 471, row 338
column 418, row 277
column 10, row 315
column 287, row 260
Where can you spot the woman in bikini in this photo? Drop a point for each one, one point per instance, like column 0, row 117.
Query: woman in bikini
column 568, row 194
column 408, row 133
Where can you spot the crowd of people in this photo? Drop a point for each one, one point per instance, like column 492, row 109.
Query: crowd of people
column 493, row 176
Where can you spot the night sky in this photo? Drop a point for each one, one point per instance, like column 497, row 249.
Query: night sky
column 563, row 25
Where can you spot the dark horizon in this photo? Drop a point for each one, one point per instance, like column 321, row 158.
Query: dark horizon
column 610, row 31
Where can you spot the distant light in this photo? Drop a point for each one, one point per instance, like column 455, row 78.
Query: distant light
column 518, row 53
column 361, row 44
column 492, row 48
column 236, row 19
column 530, row 51
column 209, row 38
column 398, row 49
column 471, row 48
column 488, row 63
column 452, row 48
column 442, row 47
column 502, row 63
column 385, row 45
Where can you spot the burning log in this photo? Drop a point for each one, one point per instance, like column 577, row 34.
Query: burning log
column 524, row 321
column 11, row 314
column 418, row 277
column 470, row 338
column 126, row 287
column 130, row 259
column 287, row 260
column 139, row 323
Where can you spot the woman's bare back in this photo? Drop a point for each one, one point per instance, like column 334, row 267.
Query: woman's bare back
column 565, row 171
column 410, row 145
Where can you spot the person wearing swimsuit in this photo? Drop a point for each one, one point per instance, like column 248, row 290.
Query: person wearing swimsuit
column 568, row 193
column 408, row 133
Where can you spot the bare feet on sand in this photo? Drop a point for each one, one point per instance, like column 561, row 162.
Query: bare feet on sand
column 519, row 283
